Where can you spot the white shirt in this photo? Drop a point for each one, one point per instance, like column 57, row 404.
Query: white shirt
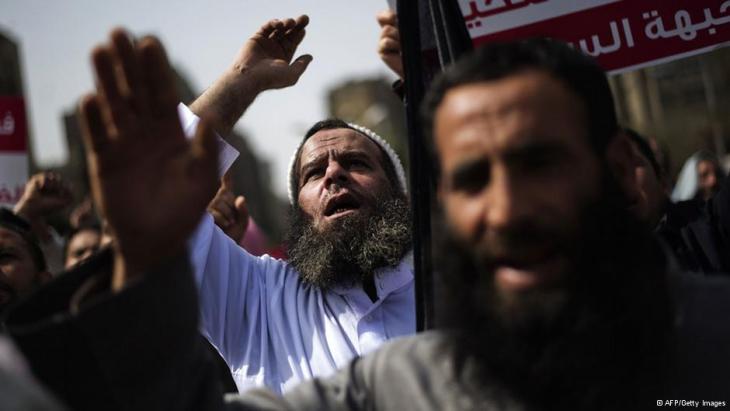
column 270, row 327
column 274, row 330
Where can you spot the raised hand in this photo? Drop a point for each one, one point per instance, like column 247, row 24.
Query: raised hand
column 229, row 211
column 45, row 193
column 389, row 48
column 147, row 180
column 265, row 61
column 267, row 55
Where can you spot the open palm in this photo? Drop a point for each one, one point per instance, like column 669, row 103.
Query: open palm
column 148, row 181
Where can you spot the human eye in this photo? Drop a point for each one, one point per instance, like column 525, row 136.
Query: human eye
column 357, row 163
column 471, row 178
column 312, row 171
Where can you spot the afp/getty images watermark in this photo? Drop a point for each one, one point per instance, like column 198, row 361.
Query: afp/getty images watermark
column 691, row 403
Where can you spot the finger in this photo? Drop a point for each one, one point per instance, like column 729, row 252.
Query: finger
column 294, row 36
column 388, row 46
column 387, row 17
column 218, row 218
column 298, row 67
column 227, row 180
column 241, row 209
column 158, row 79
column 390, row 32
column 223, row 203
column 93, row 129
column 130, row 71
column 289, row 24
column 227, row 208
column 278, row 30
column 267, row 28
column 43, row 180
column 114, row 110
column 302, row 21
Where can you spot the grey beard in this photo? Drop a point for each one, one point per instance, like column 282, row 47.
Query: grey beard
column 352, row 247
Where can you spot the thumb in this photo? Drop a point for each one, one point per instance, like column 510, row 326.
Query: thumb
column 242, row 210
column 299, row 66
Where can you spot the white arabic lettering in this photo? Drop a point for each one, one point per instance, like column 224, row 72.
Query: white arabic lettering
column 596, row 49
column 8, row 126
column 683, row 26
column 474, row 9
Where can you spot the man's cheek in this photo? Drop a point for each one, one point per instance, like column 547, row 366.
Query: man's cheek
column 463, row 218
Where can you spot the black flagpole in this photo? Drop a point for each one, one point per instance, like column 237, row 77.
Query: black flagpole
column 442, row 20
column 408, row 25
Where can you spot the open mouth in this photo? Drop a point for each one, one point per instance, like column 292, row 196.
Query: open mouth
column 341, row 205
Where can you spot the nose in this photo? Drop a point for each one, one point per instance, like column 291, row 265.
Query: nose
column 503, row 205
column 335, row 174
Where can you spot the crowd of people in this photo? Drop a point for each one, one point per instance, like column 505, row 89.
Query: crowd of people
column 568, row 274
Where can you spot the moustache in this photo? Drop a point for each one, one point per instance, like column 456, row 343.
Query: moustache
column 522, row 244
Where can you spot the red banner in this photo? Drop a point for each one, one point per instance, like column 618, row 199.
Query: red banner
column 13, row 128
column 620, row 34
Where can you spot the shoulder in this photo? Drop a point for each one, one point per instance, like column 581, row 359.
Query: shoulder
column 418, row 355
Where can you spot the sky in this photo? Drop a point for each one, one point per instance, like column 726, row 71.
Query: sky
column 201, row 38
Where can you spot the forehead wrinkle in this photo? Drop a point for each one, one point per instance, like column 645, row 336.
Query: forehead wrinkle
column 350, row 141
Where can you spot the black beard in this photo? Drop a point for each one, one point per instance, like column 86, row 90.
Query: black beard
column 597, row 340
column 353, row 246
column 13, row 297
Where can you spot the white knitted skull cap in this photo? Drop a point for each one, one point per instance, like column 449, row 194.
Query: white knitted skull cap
column 380, row 141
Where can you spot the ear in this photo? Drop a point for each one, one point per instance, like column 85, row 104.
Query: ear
column 621, row 160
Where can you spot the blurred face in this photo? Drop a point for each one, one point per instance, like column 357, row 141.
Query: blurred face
column 707, row 178
column 82, row 246
column 340, row 174
column 517, row 173
column 18, row 273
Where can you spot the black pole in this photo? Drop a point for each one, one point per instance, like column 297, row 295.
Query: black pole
column 450, row 32
column 408, row 24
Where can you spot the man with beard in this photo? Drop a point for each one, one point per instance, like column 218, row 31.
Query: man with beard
column 349, row 284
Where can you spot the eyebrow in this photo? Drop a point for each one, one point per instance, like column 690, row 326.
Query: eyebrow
column 347, row 155
column 470, row 168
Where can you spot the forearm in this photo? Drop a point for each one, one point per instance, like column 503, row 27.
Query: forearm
column 227, row 99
